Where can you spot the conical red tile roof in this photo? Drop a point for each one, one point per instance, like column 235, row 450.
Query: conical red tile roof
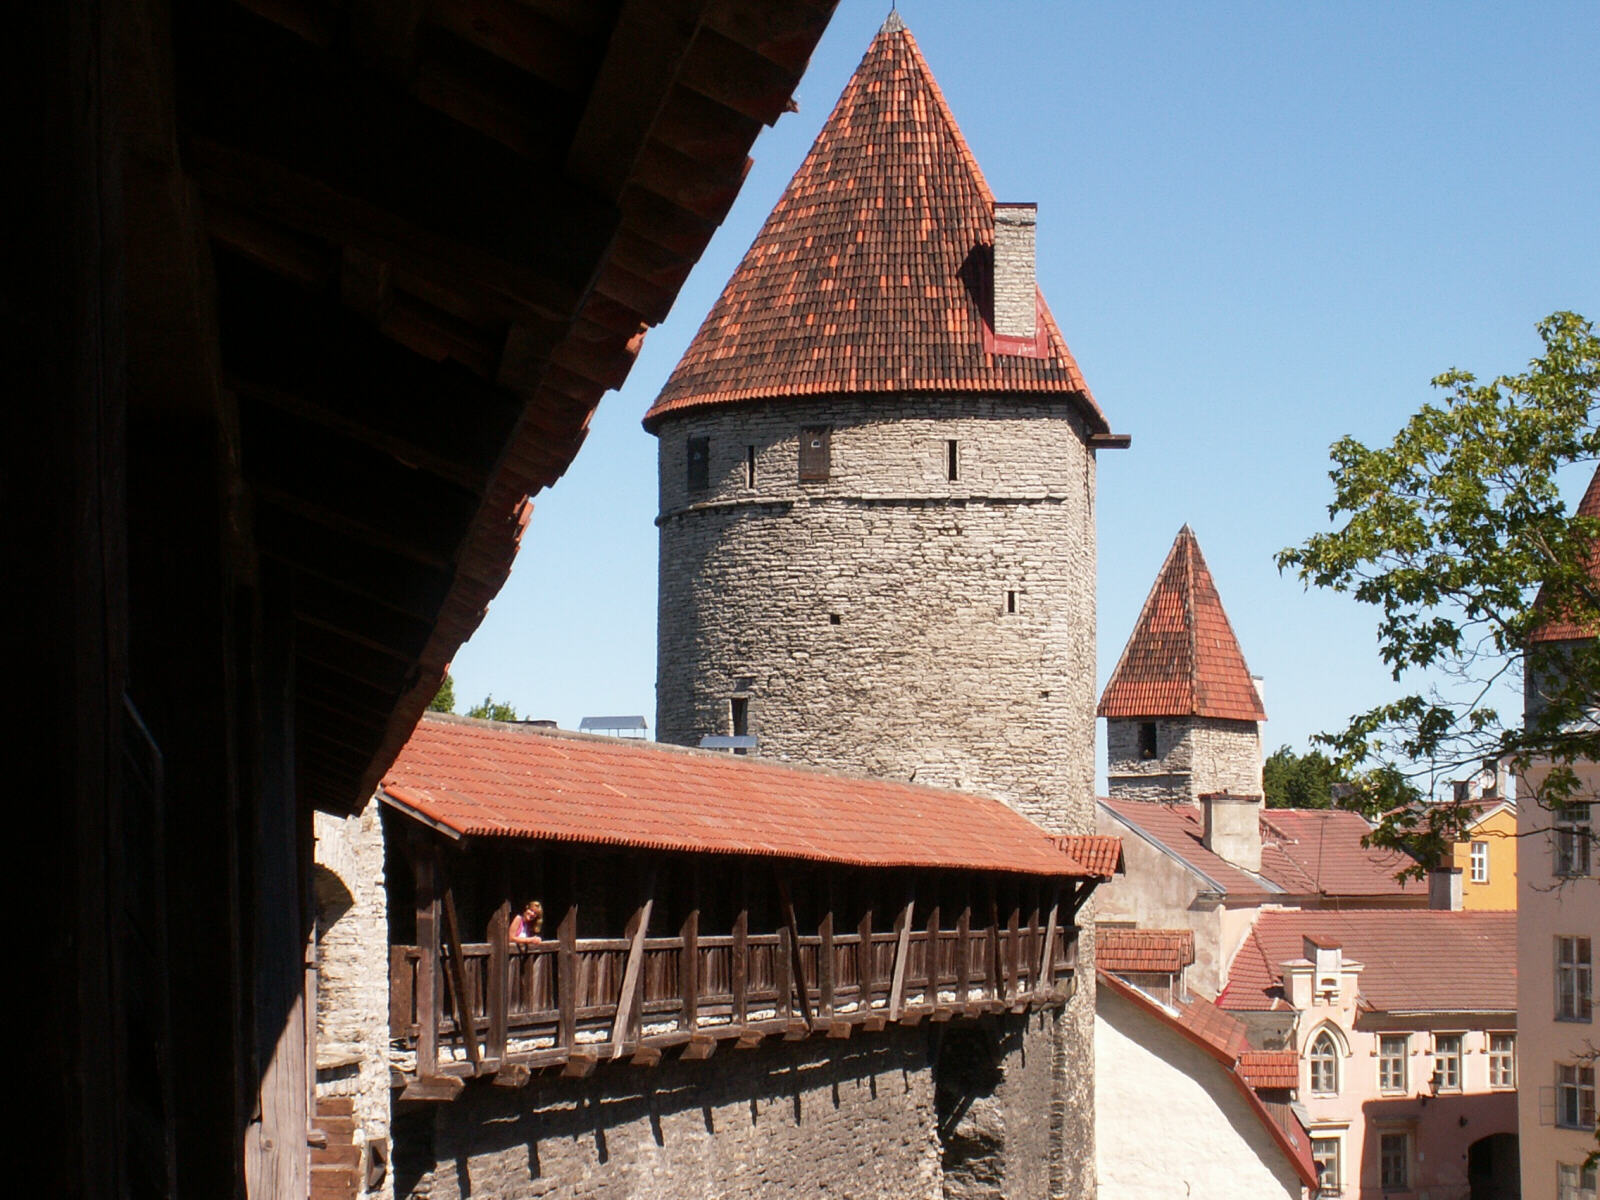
column 873, row 273
column 1183, row 659
column 1563, row 629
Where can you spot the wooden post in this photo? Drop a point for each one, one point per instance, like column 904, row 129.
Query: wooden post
column 864, row 957
column 567, row 980
column 689, row 971
column 963, row 953
column 1013, row 943
column 496, row 992
column 780, row 973
column 930, row 958
column 739, row 968
column 825, row 964
column 997, row 982
column 427, row 960
column 792, row 928
column 627, row 998
column 465, row 1021
column 902, row 951
column 1047, row 972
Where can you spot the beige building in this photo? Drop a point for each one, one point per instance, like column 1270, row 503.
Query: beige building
column 1558, row 922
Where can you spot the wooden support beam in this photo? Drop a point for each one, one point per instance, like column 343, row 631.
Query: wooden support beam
column 689, row 971
column 495, row 991
column 699, row 1046
column 1081, row 892
column 579, row 1066
column 840, row 1030
column 941, row 1014
column 963, row 953
column 1013, row 948
column 864, row 960
column 425, row 863
column 645, row 1056
column 902, row 953
column 750, row 1039
column 797, row 964
column 465, row 1021
column 739, row 968
column 512, row 1075
column 1047, row 975
column 797, row 1031
column 874, row 1024
column 912, row 1017
column 826, row 966
column 627, row 999
column 996, row 964
column 567, row 980
column 930, row 960
column 433, row 1087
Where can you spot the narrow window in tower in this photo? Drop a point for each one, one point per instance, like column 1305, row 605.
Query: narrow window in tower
column 1147, row 740
column 834, row 619
column 699, row 463
column 1011, row 604
column 952, row 460
column 814, row 462
column 739, row 718
column 749, row 466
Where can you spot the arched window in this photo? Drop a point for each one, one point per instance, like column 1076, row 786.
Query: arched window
column 1324, row 1059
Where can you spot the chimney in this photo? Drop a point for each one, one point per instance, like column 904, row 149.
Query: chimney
column 1444, row 888
column 1233, row 828
column 1015, row 307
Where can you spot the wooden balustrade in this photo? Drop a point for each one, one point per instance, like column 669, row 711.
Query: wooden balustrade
column 562, row 1001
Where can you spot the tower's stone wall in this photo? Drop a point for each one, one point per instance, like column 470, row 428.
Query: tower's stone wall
column 1194, row 755
column 890, row 619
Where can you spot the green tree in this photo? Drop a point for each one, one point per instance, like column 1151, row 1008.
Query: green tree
column 1306, row 780
column 444, row 700
column 1457, row 534
column 492, row 710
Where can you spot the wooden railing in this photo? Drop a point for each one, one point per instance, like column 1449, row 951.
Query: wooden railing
column 573, row 1002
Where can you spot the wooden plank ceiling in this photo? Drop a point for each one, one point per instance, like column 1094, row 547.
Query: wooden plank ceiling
column 439, row 229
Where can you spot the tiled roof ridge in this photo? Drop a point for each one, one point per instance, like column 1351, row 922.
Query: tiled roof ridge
column 787, row 325
column 1159, row 675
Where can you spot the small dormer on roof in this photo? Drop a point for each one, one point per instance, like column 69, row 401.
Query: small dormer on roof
column 1183, row 659
column 886, row 267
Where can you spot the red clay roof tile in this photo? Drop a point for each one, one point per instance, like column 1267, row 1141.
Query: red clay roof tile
column 1100, row 855
column 872, row 274
column 1183, row 659
column 1165, row 951
column 1566, row 630
column 483, row 779
column 1270, row 1068
column 1413, row 960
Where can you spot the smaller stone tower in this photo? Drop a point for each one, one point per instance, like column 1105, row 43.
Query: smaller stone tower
column 1182, row 711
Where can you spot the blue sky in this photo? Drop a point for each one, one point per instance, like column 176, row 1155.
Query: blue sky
column 1261, row 227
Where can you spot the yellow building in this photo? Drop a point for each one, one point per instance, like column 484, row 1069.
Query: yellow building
column 1488, row 858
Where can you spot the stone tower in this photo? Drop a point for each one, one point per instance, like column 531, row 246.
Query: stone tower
column 1182, row 711
column 877, row 471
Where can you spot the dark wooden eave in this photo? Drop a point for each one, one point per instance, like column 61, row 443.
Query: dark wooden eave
column 437, row 233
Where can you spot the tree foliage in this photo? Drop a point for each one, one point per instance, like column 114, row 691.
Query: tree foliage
column 1306, row 780
column 444, row 700
column 1457, row 534
column 492, row 710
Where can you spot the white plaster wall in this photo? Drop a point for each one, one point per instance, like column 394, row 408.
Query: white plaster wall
column 1169, row 1121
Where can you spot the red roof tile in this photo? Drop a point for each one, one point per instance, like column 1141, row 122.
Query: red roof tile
column 1413, row 960
column 1166, row 951
column 872, row 274
column 1570, row 630
column 1304, row 852
column 1100, row 856
column 1211, row 1035
column 484, row 779
column 1183, row 659
column 1270, row 1068
column 1225, row 1032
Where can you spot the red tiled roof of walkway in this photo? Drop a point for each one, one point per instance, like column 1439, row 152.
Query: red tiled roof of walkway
column 486, row 779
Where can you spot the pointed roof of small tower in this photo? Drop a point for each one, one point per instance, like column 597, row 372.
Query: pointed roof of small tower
column 873, row 273
column 1183, row 659
column 1567, row 628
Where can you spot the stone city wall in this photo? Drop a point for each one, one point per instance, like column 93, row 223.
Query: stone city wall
column 852, row 1118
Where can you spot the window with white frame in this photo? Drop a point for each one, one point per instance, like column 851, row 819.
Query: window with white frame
column 1325, row 1153
column 1392, row 1050
column 1394, row 1161
column 1575, row 1182
column 1575, row 1096
column 1480, row 862
column 1447, row 1062
column 1324, row 1061
column 1574, row 979
column 1574, row 833
column 1502, row 1060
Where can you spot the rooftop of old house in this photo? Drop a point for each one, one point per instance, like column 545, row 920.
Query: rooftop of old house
column 1304, row 852
column 1182, row 659
column 873, row 273
column 1163, row 951
column 1413, row 960
column 492, row 780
